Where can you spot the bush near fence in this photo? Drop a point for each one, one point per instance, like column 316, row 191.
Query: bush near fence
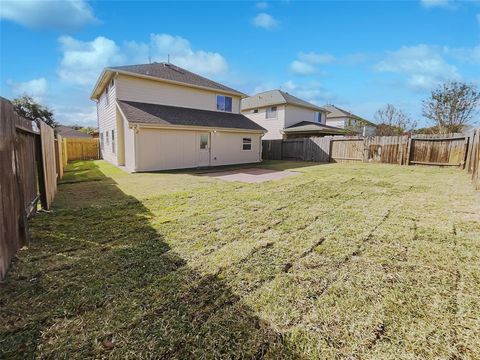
column 458, row 150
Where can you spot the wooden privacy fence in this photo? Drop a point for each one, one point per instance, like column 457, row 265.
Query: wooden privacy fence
column 27, row 175
column 81, row 149
column 403, row 150
column 457, row 150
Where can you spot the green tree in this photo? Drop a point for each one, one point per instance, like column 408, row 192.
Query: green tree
column 451, row 106
column 28, row 108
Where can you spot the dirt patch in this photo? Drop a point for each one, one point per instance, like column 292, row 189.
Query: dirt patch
column 251, row 175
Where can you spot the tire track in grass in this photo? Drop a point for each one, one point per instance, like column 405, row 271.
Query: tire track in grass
column 454, row 300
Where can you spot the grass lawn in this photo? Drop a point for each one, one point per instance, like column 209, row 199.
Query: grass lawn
column 352, row 261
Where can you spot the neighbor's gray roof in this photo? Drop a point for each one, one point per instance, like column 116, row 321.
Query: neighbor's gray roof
column 154, row 114
column 276, row 97
column 170, row 72
column 69, row 132
column 308, row 126
column 336, row 112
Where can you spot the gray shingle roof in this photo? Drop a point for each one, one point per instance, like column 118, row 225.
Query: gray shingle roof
column 144, row 113
column 276, row 97
column 69, row 132
column 174, row 73
column 308, row 126
column 336, row 112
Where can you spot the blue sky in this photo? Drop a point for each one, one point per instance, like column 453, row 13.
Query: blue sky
column 357, row 55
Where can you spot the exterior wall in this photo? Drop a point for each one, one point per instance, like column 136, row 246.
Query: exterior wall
column 161, row 149
column 107, row 121
column 295, row 114
column 156, row 92
column 227, row 148
column 337, row 122
column 129, row 136
column 272, row 125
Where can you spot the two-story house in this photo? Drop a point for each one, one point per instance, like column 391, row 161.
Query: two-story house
column 159, row 116
column 346, row 120
column 286, row 116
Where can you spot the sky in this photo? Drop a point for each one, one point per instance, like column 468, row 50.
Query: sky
column 357, row 55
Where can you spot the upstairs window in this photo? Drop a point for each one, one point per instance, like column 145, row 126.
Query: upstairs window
column 101, row 141
column 318, row 117
column 271, row 112
column 107, row 100
column 247, row 144
column 224, row 103
column 107, row 141
column 255, row 111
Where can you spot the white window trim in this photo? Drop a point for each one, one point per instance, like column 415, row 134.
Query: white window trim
column 248, row 143
column 271, row 111
column 225, row 96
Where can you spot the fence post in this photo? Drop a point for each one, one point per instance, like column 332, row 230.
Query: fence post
column 409, row 149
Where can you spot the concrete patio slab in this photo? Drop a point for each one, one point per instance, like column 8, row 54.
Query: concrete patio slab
column 251, row 175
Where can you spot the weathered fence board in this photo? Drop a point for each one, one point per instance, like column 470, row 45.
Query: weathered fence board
column 345, row 149
column 82, row 149
column 16, row 187
column 59, row 157
column 438, row 151
column 49, row 168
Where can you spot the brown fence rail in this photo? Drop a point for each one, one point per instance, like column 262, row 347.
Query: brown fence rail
column 82, row 149
column 27, row 175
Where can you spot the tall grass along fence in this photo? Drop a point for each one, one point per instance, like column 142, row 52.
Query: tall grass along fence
column 458, row 150
column 28, row 175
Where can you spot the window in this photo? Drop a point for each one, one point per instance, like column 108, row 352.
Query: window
column 112, row 83
column 224, row 103
column 271, row 112
column 113, row 141
column 255, row 111
column 204, row 142
column 247, row 144
column 107, row 100
column 107, row 141
column 318, row 117
column 101, row 141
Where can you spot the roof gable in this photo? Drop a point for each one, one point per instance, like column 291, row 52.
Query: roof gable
column 276, row 97
column 165, row 72
column 336, row 112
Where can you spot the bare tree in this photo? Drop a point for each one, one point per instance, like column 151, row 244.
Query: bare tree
column 393, row 121
column 451, row 106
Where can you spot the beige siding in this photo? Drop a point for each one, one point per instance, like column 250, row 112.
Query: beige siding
column 337, row 122
column 227, row 148
column 156, row 92
column 161, row 149
column 107, row 121
column 295, row 114
column 272, row 125
column 129, row 136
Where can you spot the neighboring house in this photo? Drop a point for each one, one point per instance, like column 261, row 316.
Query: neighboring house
column 159, row 116
column 346, row 120
column 285, row 116
column 70, row 132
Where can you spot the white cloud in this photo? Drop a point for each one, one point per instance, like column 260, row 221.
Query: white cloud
column 37, row 88
column 83, row 61
column 79, row 115
column 423, row 64
column 436, row 3
column 265, row 21
column 261, row 5
column 302, row 68
column 311, row 91
column 316, row 58
column 60, row 14
column 306, row 62
column 181, row 54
